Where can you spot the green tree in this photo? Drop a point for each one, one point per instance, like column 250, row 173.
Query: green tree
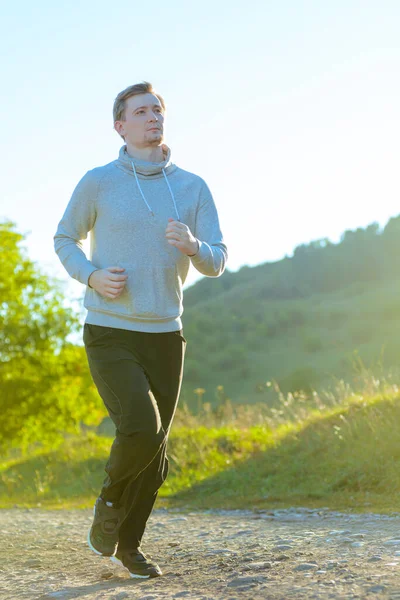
column 45, row 387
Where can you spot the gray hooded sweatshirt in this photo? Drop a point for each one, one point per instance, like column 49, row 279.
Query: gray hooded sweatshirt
column 125, row 206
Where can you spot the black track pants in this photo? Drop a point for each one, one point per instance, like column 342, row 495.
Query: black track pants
column 138, row 376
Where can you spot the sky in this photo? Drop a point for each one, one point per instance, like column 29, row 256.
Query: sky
column 288, row 109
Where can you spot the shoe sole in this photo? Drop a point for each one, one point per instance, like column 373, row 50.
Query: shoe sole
column 91, row 545
column 133, row 575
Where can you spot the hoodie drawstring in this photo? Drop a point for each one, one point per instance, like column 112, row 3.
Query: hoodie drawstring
column 141, row 191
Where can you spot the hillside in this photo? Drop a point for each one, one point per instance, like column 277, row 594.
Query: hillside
column 303, row 321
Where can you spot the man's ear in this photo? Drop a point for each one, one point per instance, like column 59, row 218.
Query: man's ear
column 119, row 128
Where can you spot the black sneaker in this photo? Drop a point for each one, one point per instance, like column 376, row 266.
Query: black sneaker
column 138, row 564
column 103, row 534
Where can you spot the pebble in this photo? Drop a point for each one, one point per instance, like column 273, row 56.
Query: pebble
column 258, row 566
column 219, row 551
column 282, row 557
column 245, row 581
column 33, row 562
column 305, row 566
column 375, row 589
column 392, row 543
column 107, row 574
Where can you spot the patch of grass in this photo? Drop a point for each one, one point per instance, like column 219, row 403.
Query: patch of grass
column 340, row 451
column 67, row 476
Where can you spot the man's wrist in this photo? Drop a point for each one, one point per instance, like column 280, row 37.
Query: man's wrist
column 90, row 277
column 198, row 247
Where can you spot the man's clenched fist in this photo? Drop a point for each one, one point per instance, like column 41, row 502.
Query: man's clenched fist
column 178, row 234
column 108, row 282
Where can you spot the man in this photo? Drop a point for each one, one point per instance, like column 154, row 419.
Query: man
column 148, row 219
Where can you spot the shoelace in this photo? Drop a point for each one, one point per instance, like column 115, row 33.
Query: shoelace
column 139, row 556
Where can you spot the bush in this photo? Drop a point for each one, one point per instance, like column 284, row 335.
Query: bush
column 303, row 379
column 232, row 358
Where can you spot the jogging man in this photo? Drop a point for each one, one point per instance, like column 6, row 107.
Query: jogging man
column 148, row 219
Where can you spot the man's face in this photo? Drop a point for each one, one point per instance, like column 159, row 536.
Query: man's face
column 143, row 123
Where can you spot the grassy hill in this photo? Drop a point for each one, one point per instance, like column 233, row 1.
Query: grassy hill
column 305, row 321
column 339, row 451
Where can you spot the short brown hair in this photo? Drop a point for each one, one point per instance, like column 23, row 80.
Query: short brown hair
column 133, row 90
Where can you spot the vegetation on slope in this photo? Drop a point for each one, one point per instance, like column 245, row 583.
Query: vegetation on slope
column 301, row 320
column 340, row 451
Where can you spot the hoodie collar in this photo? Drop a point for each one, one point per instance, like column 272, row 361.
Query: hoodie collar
column 145, row 167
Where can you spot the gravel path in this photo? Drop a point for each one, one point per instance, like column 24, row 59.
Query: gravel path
column 209, row 555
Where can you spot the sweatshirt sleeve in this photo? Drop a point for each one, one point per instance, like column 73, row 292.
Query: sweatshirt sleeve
column 78, row 219
column 212, row 255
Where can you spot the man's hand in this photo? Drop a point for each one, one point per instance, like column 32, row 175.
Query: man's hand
column 179, row 235
column 107, row 282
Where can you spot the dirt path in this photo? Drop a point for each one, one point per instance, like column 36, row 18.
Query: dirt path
column 294, row 553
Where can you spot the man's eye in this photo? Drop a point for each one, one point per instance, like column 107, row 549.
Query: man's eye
column 141, row 111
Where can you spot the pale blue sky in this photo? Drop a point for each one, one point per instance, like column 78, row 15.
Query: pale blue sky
column 288, row 109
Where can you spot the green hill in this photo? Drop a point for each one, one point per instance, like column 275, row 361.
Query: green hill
column 302, row 321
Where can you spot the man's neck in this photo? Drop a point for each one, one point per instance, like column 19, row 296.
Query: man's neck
column 149, row 153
